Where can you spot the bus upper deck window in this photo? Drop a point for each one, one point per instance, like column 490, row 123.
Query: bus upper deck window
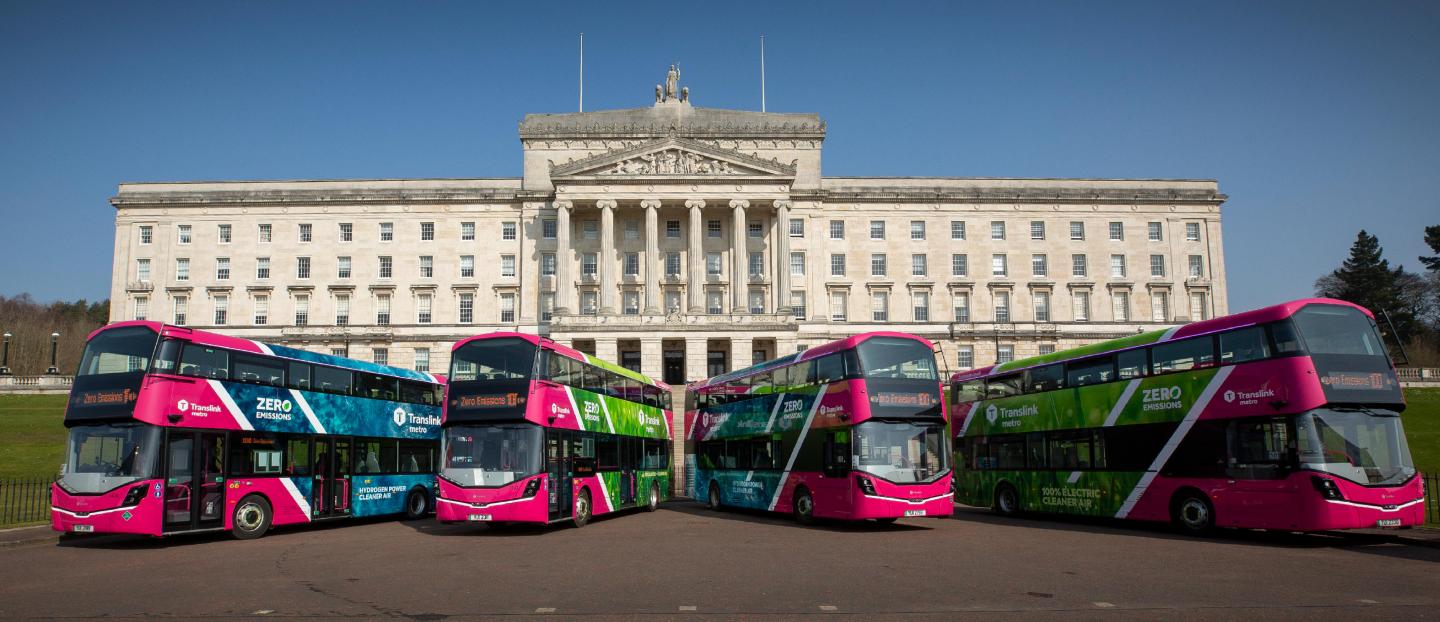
column 168, row 359
column 1286, row 341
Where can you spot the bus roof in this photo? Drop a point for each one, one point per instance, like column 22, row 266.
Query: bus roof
column 248, row 345
column 1262, row 315
column 812, row 353
column 565, row 350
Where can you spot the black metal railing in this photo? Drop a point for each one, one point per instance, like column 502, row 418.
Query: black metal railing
column 24, row 501
column 1432, row 499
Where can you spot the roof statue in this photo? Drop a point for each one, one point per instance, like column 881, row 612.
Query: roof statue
column 672, row 83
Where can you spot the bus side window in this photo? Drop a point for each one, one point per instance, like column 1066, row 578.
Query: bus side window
column 1286, row 341
column 258, row 370
column 969, row 391
column 205, row 362
column 1133, row 363
column 332, row 380
column 1004, row 386
column 1047, row 378
column 169, row 357
column 1090, row 371
column 1183, row 355
column 799, row 374
column 830, row 368
column 298, row 376
column 1242, row 345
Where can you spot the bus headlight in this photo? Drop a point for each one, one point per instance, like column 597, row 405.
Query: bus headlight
column 866, row 486
column 1327, row 487
column 532, row 487
column 135, row 495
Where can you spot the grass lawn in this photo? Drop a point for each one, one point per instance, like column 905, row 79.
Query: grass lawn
column 1422, row 428
column 32, row 438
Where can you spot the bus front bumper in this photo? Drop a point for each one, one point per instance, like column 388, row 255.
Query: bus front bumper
column 107, row 512
column 505, row 504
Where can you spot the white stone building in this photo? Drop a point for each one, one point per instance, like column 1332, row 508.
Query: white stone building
column 678, row 240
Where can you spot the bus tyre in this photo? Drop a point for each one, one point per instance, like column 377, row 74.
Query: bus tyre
column 416, row 503
column 713, row 499
column 252, row 518
column 1192, row 512
column 582, row 508
column 654, row 503
column 1007, row 500
column 804, row 506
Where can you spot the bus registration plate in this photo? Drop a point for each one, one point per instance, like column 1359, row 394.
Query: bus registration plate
column 83, row 528
column 914, row 512
column 479, row 517
column 1388, row 522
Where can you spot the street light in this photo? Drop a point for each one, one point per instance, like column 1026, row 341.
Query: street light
column 54, row 350
column 5, row 358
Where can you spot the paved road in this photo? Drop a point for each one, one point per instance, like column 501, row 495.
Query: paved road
column 685, row 561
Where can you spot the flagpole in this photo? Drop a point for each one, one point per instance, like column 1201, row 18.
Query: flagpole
column 762, row 73
column 582, row 72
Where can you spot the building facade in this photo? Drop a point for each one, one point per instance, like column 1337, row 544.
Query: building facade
column 676, row 240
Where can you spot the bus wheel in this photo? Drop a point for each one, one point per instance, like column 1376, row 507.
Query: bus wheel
column 713, row 499
column 252, row 518
column 416, row 504
column 654, row 503
column 582, row 508
column 1007, row 500
column 804, row 506
column 1193, row 512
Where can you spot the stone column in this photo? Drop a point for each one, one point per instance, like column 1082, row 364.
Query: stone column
column 650, row 363
column 564, row 287
column 654, row 263
column 782, row 262
column 695, row 288
column 740, row 274
column 608, row 289
column 606, row 349
column 740, row 352
column 695, row 352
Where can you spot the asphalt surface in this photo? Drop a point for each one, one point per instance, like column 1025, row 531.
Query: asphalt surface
column 685, row 561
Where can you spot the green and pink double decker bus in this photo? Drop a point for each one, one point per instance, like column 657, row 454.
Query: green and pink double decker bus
column 174, row 430
column 1284, row 418
column 538, row 432
column 854, row 429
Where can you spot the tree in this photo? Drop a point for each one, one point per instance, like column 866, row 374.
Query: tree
column 1366, row 279
column 1432, row 239
column 30, row 324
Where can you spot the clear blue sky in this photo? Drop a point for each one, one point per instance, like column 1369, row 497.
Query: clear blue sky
column 1317, row 118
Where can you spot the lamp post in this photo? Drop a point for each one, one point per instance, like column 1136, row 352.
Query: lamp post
column 5, row 358
column 54, row 350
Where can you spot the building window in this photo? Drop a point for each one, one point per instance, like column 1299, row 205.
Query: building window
column 712, row 264
column 757, row 264
column 549, row 228
column 142, row 270
column 1079, row 266
column 1157, row 266
column 183, row 233
column 142, row 307
column 632, row 229
column 262, row 267
column 1077, row 230
column 340, row 352
column 307, row 232
column 960, row 302
column 302, row 310
column 507, row 265
column 756, row 229
column 837, row 264
column 381, row 356
column 467, row 308
column 1002, row 306
column 714, row 302
column 467, row 233
column 999, row 265
column 1155, row 231
column 222, row 268
column 1198, row 309
column 422, row 359
column 877, row 264
column 965, row 357
column 347, row 232
column 1117, row 266
column 672, row 229
column 1046, row 348
column 222, row 309
column 507, row 308
column 839, row 303
column 1120, row 306
column 588, row 304
column 1004, row 354
column 1117, row 231
column 589, row 265
column 917, row 229
column 302, row 267
column 508, row 231
column 1042, row 306
column 880, row 306
column 467, row 266
column 180, row 307
column 1192, row 232
column 382, row 310
column 223, row 233
column 387, row 267
column 632, row 264
column 797, row 304
column 959, row 264
column 877, row 229
column 427, row 231
column 757, row 301
column 837, row 229
column 387, row 231
column 1197, row 266
column 672, row 301
column 957, row 229
column 997, row 230
column 547, row 264
column 672, row 264
column 342, row 267
column 342, row 309
column 590, row 229
column 147, row 234
column 630, row 302
column 797, row 227
column 182, row 269
column 1037, row 229
column 1081, row 303
column 547, row 306
column 919, row 265
column 920, row 303
column 797, row 264
column 264, row 232
column 1159, row 307
column 424, row 308
column 712, row 228
column 1040, row 265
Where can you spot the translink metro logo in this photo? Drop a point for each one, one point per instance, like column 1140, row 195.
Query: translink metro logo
column 992, row 413
column 399, row 416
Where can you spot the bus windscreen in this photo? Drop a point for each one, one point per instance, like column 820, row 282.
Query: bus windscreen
column 107, row 382
column 900, row 377
column 1348, row 355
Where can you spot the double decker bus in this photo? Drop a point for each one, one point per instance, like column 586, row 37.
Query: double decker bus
column 1286, row 417
column 537, row 432
column 853, row 429
column 176, row 430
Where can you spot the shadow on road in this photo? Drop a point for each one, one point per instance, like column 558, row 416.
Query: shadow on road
column 127, row 541
column 696, row 508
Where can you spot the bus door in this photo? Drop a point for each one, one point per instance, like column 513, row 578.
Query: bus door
column 331, row 491
column 833, row 490
column 627, row 469
column 557, row 468
column 194, row 480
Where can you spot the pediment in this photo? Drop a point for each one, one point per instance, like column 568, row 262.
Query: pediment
column 673, row 157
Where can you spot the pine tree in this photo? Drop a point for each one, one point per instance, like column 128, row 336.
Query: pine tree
column 1432, row 239
column 1366, row 279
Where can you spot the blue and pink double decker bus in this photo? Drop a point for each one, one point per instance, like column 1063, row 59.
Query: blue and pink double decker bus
column 854, row 429
column 538, row 432
column 174, row 430
column 1286, row 418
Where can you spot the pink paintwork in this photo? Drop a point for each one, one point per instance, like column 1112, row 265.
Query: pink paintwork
column 1290, row 504
column 285, row 503
column 502, row 504
column 103, row 512
column 841, row 498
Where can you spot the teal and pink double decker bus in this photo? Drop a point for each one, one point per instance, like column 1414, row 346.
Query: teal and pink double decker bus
column 538, row 432
column 1285, row 418
column 174, row 430
column 854, row 429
